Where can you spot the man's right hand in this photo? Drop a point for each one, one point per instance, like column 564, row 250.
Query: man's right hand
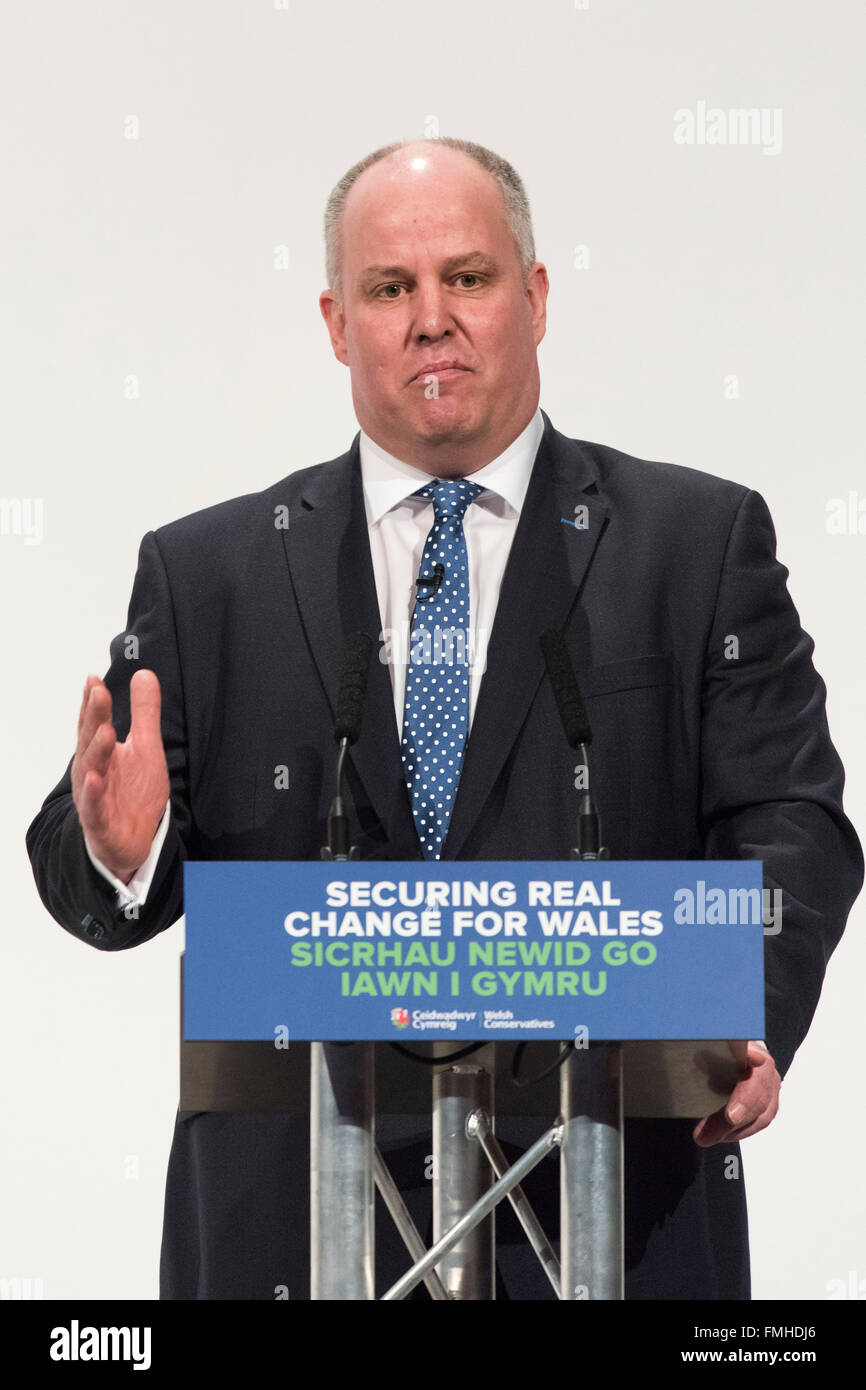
column 120, row 789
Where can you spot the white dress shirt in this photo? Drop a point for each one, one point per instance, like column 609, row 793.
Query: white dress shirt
column 398, row 525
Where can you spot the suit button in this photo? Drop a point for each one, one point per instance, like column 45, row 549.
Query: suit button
column 93, row 928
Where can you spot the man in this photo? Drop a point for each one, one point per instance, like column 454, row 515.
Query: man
column 709, row 732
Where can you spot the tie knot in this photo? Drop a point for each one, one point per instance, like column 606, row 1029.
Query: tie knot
column 450, row 496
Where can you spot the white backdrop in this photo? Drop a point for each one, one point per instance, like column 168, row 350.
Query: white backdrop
column 164, row 171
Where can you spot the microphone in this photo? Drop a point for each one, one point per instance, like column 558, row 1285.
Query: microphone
column 575, row 723
column 433, row 581
column 353, row 687
column 566, row 691
column 347, row 728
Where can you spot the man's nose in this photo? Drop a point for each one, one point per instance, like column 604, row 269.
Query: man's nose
column 432, row 310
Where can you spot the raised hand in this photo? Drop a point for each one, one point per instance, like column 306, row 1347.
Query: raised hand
column 120, row 789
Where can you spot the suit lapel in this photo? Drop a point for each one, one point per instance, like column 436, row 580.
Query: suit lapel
column 546, row 567
column 328, row 552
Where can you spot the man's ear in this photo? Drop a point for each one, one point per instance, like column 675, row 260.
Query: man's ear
column 332, row 313
column 537, row 287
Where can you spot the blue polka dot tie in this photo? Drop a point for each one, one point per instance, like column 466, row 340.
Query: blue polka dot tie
column 436, row 707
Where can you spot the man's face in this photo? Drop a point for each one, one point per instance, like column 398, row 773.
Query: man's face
column 432, row 277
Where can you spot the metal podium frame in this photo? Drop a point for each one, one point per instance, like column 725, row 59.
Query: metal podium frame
column 470, row 1176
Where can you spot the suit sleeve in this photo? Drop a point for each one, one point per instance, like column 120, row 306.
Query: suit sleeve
column 72, row 889
column 771, row 778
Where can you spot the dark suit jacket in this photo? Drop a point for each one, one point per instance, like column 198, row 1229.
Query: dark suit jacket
column 695, row 755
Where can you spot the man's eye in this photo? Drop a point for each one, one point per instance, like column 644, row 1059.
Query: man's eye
column 384, row 292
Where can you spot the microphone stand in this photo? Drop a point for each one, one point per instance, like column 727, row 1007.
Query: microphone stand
column 342, row 1077
column 592, row 1228
column 589, row 846
column 339, row 847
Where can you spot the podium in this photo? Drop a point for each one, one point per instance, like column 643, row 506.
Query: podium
column 251, row 966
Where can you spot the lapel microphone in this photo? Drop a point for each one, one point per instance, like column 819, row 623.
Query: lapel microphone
column 430, row 581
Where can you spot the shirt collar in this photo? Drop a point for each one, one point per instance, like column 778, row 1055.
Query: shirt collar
column 387, row 481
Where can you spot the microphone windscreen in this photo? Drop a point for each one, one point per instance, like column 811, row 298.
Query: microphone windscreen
column 566, row 690
column 353, row 686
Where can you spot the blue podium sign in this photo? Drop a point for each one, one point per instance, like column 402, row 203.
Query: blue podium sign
column 473, row 950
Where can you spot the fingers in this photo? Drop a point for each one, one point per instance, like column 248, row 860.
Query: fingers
column 92, row 810
column 747, row 1114
column 758, row 1054
column 88, row 686
column 95, row 716
column 96, row 741
column 91, row 779
column 757, row 1092
column 712, row 1130
column 753, row 1104
column 145, row 701
column 95, row 710
column 763, row 1120
column 717, row 1129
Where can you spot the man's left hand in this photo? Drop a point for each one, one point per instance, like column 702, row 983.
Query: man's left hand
column 753, row 1103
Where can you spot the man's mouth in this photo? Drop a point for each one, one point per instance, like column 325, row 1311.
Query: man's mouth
column 441, row 370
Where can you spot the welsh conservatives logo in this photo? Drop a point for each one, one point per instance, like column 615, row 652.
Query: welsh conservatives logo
column 400, row 1018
